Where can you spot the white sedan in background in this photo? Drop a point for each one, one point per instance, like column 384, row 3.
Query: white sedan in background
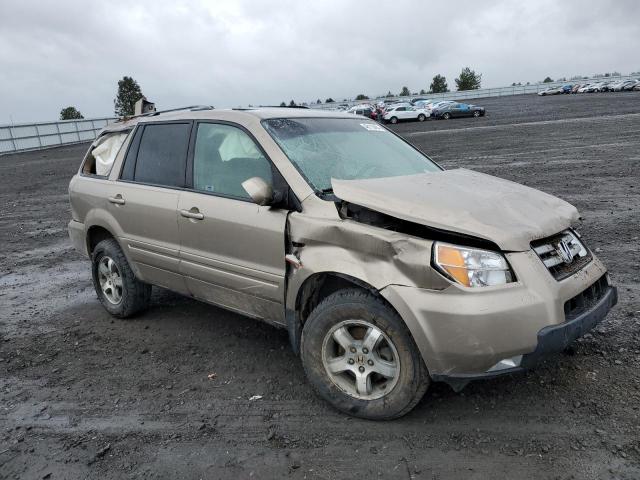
column 398, row 113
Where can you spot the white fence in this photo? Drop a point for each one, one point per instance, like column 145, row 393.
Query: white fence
column 35, row 136
column 480, row 93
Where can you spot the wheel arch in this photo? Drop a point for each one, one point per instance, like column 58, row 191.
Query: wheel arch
column 100, row 224
column 312, row 291
column 96, row 234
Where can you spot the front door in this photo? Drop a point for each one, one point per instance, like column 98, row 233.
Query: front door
column 232, row 250
column 410, row 113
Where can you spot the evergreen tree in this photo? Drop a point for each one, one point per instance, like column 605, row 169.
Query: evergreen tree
column 468, row 80
column 438, row 85
column 70, row 113
column 129, row 93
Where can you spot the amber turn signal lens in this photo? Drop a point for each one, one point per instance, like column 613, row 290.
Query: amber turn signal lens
column 452, row 261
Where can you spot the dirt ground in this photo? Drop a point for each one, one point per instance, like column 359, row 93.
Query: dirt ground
column 83, row 395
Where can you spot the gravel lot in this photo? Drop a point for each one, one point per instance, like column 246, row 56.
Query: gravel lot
column 83, row 395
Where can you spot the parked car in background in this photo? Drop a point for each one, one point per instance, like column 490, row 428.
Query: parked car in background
column 365, row 110
column 422, row 103
column 566, row 88
column 453, row 110
column 577, row 87
column 429, row 107
column 400, row 113
column 631, row 86
column 594, row 87
column 551, row 91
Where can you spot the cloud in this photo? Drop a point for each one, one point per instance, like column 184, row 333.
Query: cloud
column 225, row 53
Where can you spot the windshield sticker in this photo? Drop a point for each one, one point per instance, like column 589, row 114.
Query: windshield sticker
column 372, row 127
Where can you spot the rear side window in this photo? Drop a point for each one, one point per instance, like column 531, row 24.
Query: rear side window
column 162, row 154
column 103, row 153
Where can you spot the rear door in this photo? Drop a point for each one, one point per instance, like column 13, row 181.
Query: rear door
column 144, row 201
column 232, row 250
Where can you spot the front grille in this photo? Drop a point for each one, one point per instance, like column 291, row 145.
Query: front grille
column 550, row 251
column 585, row 300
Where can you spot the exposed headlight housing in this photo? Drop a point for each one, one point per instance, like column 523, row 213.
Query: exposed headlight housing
column 471, row 267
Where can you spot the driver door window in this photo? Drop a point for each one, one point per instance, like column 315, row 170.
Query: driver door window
column 224, row 157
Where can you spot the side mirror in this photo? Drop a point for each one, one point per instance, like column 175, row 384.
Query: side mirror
column 259, row 190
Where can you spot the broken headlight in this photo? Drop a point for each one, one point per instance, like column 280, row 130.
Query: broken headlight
column 471, row 267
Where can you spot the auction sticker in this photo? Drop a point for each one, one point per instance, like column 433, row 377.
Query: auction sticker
column 373, row 127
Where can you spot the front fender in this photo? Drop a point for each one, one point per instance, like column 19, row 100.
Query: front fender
column 374, row 255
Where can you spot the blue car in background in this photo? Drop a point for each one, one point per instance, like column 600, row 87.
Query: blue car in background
column 457, row 110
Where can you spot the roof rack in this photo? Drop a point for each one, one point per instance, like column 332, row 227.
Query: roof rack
column 193, row 108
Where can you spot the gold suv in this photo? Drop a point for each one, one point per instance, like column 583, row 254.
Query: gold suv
column 388, row 271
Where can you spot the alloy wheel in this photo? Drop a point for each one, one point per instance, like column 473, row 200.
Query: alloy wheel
column 360, row 359
column 110, row 280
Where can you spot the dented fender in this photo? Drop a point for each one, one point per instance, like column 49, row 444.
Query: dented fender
column 372, row 256
column 375, row 256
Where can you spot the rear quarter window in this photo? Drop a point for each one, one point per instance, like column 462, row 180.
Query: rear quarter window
column 102, row 154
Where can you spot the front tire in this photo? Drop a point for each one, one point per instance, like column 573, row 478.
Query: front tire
column 360, row 357
column 476, row 113
column 446, row 115
column 394, row 120
column 421, row 118
column 119, row 291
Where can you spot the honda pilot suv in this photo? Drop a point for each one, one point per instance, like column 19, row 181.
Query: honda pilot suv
column 387, row 271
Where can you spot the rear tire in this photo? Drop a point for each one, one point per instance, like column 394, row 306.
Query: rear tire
column 381, row 382
column 394, row 120
column 446, row 115
column 118, row 289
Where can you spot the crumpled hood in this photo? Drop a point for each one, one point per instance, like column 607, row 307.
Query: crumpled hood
column 507, row 213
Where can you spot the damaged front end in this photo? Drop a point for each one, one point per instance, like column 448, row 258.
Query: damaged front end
column 463, row 332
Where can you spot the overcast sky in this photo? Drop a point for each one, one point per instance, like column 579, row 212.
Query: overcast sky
column 229, row 53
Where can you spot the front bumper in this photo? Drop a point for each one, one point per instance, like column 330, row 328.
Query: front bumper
column 551, row 339
column 466, row 333
column 555, row 338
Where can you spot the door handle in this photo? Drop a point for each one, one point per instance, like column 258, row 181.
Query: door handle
column 118, row 200
column 194, row 214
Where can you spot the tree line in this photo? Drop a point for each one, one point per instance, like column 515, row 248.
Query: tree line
column 467, row 80
column 129, row 92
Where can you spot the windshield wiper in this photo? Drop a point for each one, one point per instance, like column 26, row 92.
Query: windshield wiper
column 327, row 190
